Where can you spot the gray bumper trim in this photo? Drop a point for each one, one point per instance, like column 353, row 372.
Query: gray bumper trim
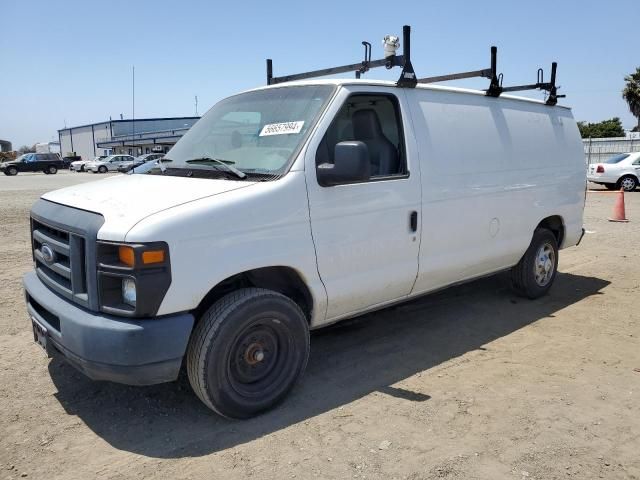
column 104, row 347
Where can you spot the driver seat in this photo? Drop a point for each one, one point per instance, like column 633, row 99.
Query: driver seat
column 383, row 153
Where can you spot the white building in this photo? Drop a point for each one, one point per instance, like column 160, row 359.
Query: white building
column 133, row 137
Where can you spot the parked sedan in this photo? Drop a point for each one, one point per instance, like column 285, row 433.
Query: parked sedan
column 619, row 171
column 109, row 164
column 142, row 159
column 80, row 165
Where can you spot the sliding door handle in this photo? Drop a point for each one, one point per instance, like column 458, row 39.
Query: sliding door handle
column 413, row 221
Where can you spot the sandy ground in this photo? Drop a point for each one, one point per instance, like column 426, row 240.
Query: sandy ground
column 469, row 383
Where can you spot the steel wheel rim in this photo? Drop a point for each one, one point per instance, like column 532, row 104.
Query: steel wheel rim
column 544, row 265
column 258, row 359
column 628, row 184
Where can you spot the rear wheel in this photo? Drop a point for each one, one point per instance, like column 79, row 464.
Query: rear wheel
column 628, row 183
column 534, row 274
column 102, row 169
column 247, row 351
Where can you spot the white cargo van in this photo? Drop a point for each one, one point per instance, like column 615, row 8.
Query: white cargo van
column 291, row 207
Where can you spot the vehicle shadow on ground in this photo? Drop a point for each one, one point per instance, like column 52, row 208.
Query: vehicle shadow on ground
column 348, row 361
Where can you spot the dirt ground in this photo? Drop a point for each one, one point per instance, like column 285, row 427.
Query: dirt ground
column 469, row 383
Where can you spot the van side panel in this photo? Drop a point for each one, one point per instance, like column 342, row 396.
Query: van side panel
column 492, row 169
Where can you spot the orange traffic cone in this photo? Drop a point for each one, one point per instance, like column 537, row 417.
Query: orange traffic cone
column 618, row 214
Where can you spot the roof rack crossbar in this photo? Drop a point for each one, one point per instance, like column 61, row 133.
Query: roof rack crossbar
column 407, row 77
column 550, row 86
column 495, row 87
column 354, row 67
column 484, row 73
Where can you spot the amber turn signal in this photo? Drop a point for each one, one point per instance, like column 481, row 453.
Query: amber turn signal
column 126, row 255
column 152, row 256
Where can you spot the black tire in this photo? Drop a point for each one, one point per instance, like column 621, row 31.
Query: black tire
column 82, row 168
column 628, row 183
column 247, row 352
column 12, row 171
column 52, row 169
column 102, row 169
column 610, row 186
column 526, row 276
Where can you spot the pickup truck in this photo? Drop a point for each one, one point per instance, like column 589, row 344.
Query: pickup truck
column 48, row 163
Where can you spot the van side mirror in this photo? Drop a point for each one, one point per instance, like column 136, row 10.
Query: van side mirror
column 351, row 164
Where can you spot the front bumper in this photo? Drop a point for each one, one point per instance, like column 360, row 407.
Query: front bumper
column 104, row 347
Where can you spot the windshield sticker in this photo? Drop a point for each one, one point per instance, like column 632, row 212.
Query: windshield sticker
column 281, row 128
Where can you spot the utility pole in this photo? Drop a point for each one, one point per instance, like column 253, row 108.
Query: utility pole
column 133, row 108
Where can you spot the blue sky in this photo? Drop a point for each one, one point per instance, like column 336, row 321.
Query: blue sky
column 71, row 61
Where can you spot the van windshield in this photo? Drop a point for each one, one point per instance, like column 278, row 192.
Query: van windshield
column 256, row 133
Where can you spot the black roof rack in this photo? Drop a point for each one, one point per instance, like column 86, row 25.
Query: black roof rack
column 408, row 77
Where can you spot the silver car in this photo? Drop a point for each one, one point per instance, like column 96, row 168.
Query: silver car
column 109, row 164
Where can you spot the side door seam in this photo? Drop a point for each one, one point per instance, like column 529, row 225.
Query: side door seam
column 420, row 208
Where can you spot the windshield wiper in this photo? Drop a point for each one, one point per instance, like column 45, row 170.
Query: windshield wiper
column 216, row 161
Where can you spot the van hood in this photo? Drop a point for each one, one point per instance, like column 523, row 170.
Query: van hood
column 126, row 199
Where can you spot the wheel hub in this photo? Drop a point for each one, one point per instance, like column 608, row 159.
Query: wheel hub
column 544, row 265
column 628, row 184
column 254, row 354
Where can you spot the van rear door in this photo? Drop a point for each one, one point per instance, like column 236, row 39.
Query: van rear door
column 366, row 234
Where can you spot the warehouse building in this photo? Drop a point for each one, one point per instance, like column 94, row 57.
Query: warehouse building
column 5, row 146
column 132, row 137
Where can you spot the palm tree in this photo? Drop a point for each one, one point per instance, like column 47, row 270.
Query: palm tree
column 631, row 94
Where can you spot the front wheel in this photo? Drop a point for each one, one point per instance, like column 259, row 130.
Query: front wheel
column 102, row 169
column 627, row 183
column 534, row 274
column 247, row 352
column 12, row 171
column 52, row 170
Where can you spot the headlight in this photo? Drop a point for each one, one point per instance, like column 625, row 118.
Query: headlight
column 129, row 291
column 133, row 278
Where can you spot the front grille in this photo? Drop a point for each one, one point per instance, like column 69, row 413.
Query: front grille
column 60, row 260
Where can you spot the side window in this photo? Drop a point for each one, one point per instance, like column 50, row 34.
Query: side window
column 637, row 162
column 373, row 119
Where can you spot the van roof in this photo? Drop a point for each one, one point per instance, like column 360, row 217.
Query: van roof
column 392, row 84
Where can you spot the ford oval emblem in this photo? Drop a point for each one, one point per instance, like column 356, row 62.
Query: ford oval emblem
column 48, row 254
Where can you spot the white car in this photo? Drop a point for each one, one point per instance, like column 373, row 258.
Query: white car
column 619, row 171
column 147, row 166
column 291, row 207
column 80, row 165
column 109, row 164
